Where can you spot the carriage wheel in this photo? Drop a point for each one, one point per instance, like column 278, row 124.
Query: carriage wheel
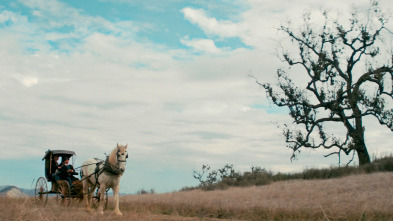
column 96, row 199
column 63, row 195
column 41, row 191
column 76, row 192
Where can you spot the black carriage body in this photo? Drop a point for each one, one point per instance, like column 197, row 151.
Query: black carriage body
column 60, row 187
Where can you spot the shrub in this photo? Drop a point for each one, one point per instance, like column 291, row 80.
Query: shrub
column 227, row 177
column 143, row 191
column 384, row 164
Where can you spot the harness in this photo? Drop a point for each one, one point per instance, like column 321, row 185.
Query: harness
column 98, row 171
column 108, row 168
column 111, row 169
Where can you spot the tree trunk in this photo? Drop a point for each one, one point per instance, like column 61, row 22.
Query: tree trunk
column 363, row 156
column 360, row 147
column 358, row 138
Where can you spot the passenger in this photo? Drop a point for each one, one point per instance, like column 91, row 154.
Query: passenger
column 67, row 171
column 54, row 168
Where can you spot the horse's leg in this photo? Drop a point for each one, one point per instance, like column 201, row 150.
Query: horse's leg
column 90, row 197
column 116, row 196
column 85, row 193
column 102, row 199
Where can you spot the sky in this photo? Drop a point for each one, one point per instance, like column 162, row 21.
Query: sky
column 168, row 78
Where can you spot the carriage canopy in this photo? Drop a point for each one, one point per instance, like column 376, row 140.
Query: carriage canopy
column 51, row 153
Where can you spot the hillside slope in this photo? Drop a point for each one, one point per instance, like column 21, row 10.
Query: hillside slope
column 357, row 197
column 343, row 198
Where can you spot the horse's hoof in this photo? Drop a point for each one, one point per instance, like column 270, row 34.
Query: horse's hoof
column 119, row 214
column 101, row 212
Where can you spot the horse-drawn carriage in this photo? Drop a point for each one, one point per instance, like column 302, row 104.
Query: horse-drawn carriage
column 65, row 192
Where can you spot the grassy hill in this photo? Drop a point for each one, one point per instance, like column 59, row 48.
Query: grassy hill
column 354, row 197
column 349, row 198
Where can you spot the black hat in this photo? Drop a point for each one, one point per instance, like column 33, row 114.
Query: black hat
column 65, row 158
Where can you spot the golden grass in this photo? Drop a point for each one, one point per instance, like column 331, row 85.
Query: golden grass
column 357, row 197
column 350, row 198
column 25, row 209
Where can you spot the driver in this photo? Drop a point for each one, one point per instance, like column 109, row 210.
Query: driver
column 67, row 171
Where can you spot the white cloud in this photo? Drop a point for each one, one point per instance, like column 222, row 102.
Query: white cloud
column 257, row 26
column 6, row 16
column 202, row 45
column 211, row 25
column 37, row 13
column 27, row 81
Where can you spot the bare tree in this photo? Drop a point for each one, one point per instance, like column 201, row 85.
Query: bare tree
column 348, row 72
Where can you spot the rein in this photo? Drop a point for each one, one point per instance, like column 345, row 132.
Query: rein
column 108, row 167
column 97, row 172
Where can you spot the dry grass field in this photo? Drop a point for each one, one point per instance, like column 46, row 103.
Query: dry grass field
column 356, row 197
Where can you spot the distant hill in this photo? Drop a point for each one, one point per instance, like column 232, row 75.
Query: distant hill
column 29, row 192
column 12, row 191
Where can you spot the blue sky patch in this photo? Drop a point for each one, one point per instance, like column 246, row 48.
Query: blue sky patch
column 271, row 108
column 161, row 22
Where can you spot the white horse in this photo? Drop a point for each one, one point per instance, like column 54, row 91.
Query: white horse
column 105, row 174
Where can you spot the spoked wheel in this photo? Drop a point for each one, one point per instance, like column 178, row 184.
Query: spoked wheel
column 76, row 192
column 63, row 195
column 97, row 199
column 41, row 191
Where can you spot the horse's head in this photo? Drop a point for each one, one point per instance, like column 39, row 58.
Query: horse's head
column 122, row 156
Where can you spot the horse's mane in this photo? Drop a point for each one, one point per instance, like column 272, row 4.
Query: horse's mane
column 113, row 157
